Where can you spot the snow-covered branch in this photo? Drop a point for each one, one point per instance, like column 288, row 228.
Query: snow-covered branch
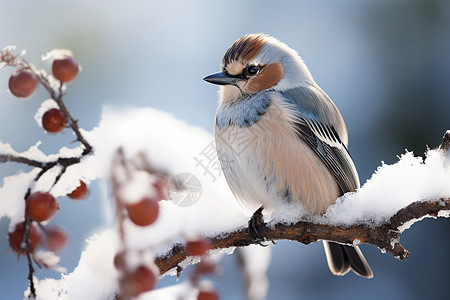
column 385, row 235
column 41, row 206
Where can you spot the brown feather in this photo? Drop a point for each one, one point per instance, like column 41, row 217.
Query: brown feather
column 269, row 76
column 245, row 49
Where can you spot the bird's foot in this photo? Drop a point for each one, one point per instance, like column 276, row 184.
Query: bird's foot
column 256, row 220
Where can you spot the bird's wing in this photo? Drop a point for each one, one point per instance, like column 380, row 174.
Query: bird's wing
column 323, row 138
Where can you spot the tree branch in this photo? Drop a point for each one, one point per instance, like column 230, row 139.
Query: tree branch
column 386, row 236
column 57, row 95
column 45, row 166
column 21, row 159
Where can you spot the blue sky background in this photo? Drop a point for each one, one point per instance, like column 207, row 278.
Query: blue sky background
column 386, row 65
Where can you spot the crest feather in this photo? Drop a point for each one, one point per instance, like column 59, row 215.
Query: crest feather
column 246, row 48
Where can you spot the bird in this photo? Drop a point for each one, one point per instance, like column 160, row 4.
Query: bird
column 281, row 139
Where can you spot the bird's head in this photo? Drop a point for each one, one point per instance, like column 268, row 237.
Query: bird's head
column 258, row 62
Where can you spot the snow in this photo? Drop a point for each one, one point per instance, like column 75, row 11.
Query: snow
column 57, row 54
column 85, row 171
column 444, row 214
column 176, row 292
column 173, row 147
column 12, row 195
column 169, row 144
column 391, row 188
column 93, row 279
column 287, row 214
column 137, row 187
column 8, row 53
column 175, row 224
column 50, row 260
column 408, row 224
column 33, row 153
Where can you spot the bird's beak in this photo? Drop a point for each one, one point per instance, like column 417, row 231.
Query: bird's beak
column 221, row 79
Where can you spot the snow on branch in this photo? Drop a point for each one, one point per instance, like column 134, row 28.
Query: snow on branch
column 385, row 235
column 38, row 206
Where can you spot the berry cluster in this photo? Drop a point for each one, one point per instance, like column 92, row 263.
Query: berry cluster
column 24, row 81
column 137, row 269
column 41, row 206
column 135, row 279
column 137, row 194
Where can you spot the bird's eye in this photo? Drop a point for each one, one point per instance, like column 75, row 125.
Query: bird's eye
column 251, row 71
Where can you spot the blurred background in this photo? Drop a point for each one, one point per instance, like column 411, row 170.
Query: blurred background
column 386, row 65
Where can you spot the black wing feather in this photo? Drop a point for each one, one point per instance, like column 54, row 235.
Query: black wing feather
column 325, row 142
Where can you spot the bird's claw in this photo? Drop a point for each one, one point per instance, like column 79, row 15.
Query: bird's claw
column 256, row 220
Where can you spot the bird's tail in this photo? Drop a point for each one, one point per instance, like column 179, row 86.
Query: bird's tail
column 342, row 258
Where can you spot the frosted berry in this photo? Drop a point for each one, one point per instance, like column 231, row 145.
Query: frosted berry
column 41, row 206
column 141, row 280
column 197, row 246
column 65, row 69
column 80, row 192
column 53, row 120
column 143, row 212
column 23, row 83
column 207, row 295
column 16, row 237
column 55, row 239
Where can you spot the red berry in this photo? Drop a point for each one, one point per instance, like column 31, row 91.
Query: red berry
column 23, row 83
column 55, row 239
column 53, row 120
column 80, row 192
column 141, row 280
column 16, row 237
column 65, row 69
column 205, row 267
column 197, row 246
column 207, row 295
column 119, row 260
column 41, row 206
column 144, row 212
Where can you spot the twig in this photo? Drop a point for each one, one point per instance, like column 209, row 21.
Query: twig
column 72, row 122
column 119, row 167
column 445, row 141
column 27, row 241
column 27, row 227
column 63, row 161
column 120, row 174
column 57, row 95
column 21, row 159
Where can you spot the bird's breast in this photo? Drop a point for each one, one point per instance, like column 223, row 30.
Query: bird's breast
column 243, row 113
column 266, row 163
